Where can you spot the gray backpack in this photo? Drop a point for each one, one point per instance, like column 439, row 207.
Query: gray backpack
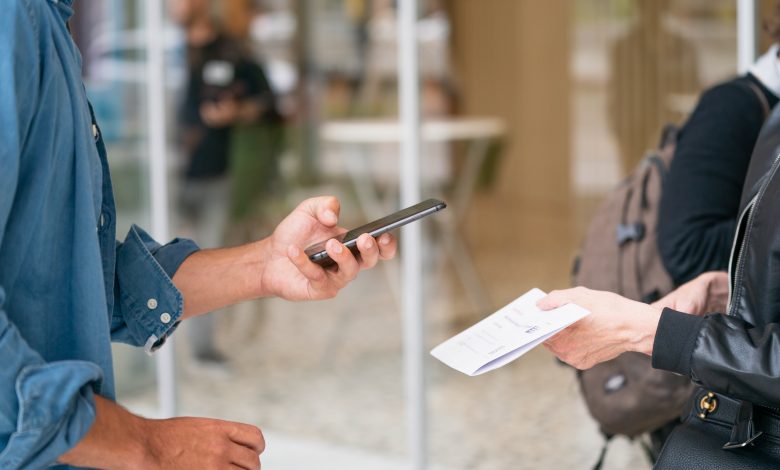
column 626, row 396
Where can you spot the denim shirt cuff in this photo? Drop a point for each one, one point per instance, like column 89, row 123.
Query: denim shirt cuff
column 56, row 410
column 172, row 255
column 150, row 303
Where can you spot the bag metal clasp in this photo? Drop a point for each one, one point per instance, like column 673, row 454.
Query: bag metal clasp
column 708, row 404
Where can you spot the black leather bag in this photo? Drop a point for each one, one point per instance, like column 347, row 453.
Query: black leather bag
column 723, row 433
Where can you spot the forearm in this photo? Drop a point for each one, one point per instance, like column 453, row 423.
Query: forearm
column 212, row 279
column 115, row 440
column 278, row 265
column 640, row 335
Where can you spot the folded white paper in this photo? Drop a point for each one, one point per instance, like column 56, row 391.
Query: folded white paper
column 506, row 335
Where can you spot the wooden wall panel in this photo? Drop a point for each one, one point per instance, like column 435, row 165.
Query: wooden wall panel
column 512, row 60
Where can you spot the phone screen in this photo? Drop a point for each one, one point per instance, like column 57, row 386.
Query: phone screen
column 317, row 251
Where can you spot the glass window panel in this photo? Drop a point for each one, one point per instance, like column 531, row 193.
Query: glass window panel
column 110, row 36
column 542, row 108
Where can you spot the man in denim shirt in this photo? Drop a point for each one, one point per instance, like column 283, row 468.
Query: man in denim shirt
column 67, row 287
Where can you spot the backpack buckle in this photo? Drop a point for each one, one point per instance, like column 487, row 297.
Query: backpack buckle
column 630, row 232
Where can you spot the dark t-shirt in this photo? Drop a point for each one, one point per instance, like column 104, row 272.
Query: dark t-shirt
column 701, row 194
column 217, row 69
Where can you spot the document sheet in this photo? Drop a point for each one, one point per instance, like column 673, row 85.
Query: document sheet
column 506, row 334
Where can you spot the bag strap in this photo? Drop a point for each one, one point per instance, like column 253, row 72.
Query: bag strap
column 761, row 98
column 600, row 462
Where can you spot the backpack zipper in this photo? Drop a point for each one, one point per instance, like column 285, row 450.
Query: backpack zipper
column 622, row 246
column 735, row 272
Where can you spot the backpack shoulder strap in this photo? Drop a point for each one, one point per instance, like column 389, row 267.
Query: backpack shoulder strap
column 600, row 462
column 761, row 97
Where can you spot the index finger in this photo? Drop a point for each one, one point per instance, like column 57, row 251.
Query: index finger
column 553, row 300
column 559, row 298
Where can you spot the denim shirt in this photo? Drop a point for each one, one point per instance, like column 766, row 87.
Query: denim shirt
column 67, row 287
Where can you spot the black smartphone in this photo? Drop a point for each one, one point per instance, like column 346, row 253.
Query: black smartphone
column 376, row 228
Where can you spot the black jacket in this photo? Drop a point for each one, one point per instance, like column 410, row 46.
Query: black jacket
column 738, row 354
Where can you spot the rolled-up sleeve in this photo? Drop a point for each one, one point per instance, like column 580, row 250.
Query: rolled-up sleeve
column 45, row 407
column 148, row 306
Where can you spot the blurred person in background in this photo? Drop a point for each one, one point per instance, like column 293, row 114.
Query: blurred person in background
column 639, row 108
column 225, row 90
column 68, row 287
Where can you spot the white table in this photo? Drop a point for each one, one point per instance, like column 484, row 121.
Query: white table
column 363, row 134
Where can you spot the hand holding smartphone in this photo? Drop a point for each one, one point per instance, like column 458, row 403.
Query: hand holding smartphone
column 317, row 253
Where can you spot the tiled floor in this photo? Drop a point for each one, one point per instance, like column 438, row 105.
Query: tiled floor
column 325, row 380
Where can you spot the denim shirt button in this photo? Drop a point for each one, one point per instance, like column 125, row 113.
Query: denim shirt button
column 95, row 131
column 152, row 304
column 165, row 318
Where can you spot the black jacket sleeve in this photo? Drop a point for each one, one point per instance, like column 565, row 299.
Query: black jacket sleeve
column 701, row 194
column 722, row 353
